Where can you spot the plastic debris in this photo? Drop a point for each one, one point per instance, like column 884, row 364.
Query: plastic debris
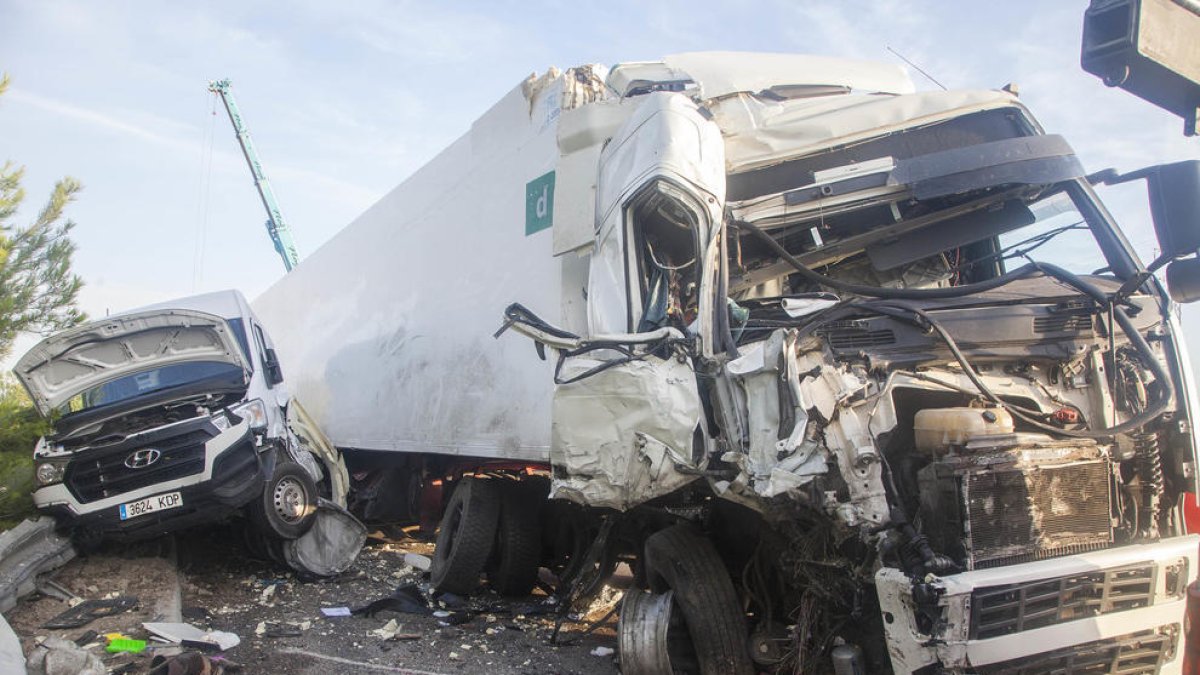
column 89, row 610
column 388, row 631
column 421, row 562
column 120, row 646
column 602, row 651
column 188, row 635
column 335, row 611
column 330, row 545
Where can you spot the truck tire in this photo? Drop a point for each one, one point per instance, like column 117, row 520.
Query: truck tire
column 685, row 562
column 514, row 565
column 287, row 507
column 466, row 536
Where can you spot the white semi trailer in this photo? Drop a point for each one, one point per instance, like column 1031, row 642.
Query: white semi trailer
column 852, row 375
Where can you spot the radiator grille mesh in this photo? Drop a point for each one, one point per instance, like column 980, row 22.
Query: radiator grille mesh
column 1016, row 515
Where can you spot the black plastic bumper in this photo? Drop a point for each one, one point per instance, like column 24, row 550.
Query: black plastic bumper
column 238, row 477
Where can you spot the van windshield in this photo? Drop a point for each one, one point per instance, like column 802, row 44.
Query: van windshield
column 212, row 375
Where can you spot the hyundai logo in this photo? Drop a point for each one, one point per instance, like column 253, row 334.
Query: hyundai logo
column 143, row 458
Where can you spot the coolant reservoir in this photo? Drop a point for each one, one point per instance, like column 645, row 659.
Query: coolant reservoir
column 937, row 429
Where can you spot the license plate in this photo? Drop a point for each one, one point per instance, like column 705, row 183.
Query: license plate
column 151, row 504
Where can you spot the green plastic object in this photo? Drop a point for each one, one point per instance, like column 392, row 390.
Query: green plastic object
column 125, row 645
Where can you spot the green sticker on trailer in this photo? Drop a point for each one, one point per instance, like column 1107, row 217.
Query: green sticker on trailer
column 539, row 203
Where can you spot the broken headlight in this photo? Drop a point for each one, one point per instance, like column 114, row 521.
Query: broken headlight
column 253, row 411
column 48, row 473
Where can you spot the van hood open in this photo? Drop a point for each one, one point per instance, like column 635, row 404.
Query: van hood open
column 74, row 360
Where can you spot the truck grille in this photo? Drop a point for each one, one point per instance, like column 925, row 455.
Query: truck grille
column 1134, row 654
column 1012, row 608
column 105, row 474
column 1017, row 516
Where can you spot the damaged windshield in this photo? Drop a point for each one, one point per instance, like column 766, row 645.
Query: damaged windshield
column 937, row 206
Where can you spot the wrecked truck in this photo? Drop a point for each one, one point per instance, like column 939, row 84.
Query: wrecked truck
column 174, row 415
column 854, row 377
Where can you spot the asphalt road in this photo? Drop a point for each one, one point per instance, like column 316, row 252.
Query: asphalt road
column 280, row 621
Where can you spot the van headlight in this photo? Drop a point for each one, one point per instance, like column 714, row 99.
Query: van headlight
column 254, row 412
column 49, row 473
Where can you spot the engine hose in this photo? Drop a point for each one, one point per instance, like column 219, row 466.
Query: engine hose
column 1150, row 472
column 1160, row 405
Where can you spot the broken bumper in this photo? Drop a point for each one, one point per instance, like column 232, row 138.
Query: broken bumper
column 1122, row 605
column 236, row 477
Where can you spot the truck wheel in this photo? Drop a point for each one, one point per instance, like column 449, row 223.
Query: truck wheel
column 288, row 505
column 514, row 565
column 683, row 561
column 466, row 536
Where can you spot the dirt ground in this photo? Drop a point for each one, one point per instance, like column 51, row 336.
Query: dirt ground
column 282, row 629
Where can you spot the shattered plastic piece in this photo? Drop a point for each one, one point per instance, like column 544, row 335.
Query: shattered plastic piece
column 388, row 631
column 126, row 645
column 187, row 633
column 89, row 610
column 602, row 651
column 335, row 611
column 55, row 656
column 261, row 628
column 421, row 562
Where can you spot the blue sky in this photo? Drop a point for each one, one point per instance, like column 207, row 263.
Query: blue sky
column 345, row 99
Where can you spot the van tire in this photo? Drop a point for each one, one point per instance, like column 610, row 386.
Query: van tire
column 682, row 560
column 465, row 536
column 514, row 565
column 287, row 506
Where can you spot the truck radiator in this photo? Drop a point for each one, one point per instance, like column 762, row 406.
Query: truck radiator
column 1016, row 505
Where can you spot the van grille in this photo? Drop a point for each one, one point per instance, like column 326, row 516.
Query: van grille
column 1012, row 608
column 104, row 475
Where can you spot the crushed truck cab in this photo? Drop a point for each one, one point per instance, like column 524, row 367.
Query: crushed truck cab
column 171, row 416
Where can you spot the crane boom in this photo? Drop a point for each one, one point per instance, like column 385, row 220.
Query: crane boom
column 281, row 236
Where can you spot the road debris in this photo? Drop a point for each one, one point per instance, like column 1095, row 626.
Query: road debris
column 189, row 635
column 421, row 562
column 123, row 645
column 335, row 611
column 56, row 656
column 89, row 610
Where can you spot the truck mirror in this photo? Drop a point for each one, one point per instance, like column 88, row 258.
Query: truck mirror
column 1175, row 206
column 1183, row 280
column 271, row 368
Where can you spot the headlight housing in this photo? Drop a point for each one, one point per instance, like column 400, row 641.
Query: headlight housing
column 254, row 412
column 49, row 473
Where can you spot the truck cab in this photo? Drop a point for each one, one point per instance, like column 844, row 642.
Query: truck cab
column 170, row 416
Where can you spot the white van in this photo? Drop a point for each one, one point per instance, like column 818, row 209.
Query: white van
column 170, row 416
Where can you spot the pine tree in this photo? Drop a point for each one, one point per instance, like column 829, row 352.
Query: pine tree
column 38, row 290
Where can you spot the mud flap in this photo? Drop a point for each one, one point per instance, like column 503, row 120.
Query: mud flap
column 627, row 434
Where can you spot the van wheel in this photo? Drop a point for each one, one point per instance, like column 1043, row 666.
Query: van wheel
column 288, row 505
column 466, row 536
column 683, row 561
column 514, row 565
